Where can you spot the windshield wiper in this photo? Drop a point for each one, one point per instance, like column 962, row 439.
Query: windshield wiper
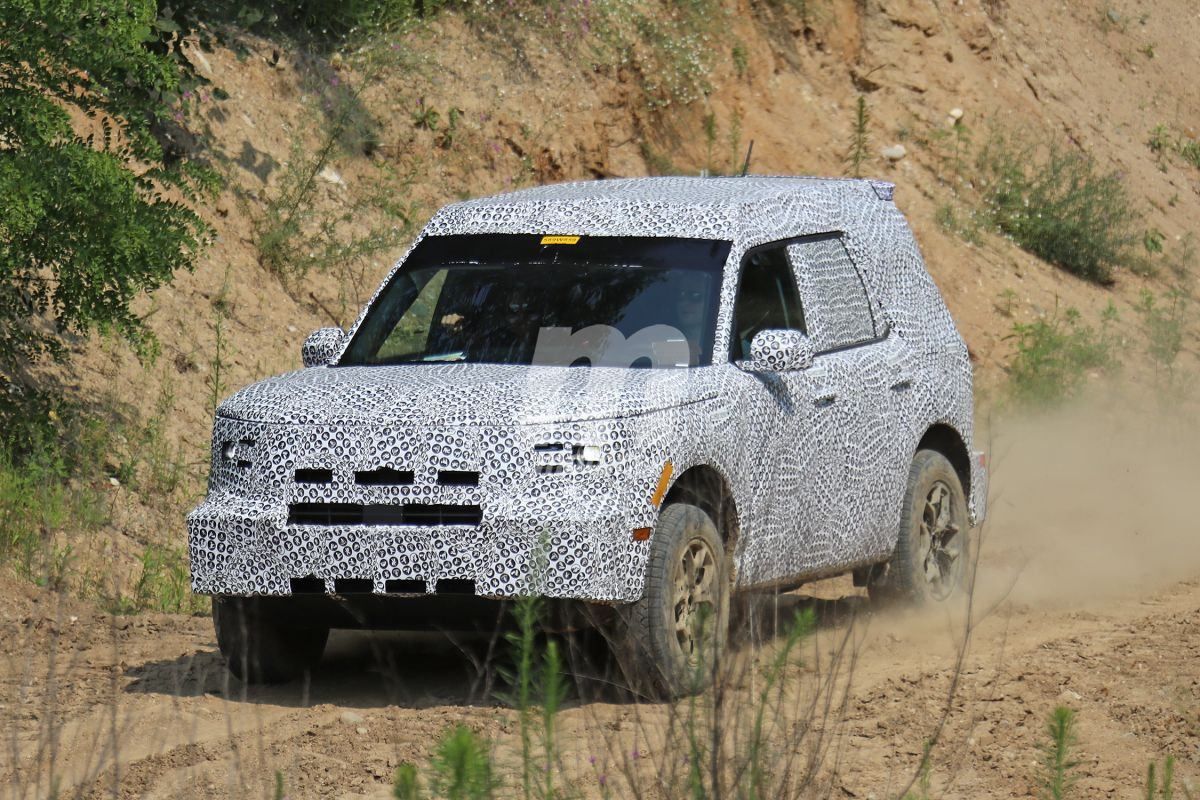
column 458, row 355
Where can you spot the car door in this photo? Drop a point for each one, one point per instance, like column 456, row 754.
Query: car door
column 796, row 457
column 858, row 366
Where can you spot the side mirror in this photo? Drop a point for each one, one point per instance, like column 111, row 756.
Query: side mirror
column 778, row 350
column 322, row 346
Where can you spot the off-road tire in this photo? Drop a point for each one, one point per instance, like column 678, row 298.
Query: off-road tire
column 934, row 510
column 650, row 652
column 261, row 644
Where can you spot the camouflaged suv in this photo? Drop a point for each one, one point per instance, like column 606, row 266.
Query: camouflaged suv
column 642, row 394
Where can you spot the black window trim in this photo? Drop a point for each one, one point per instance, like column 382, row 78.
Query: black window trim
column 737, row 287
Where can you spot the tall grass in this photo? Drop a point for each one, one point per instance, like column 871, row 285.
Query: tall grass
column 756, row 734
column 52, row 480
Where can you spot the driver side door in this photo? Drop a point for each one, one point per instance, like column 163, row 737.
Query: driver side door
column 799, row 463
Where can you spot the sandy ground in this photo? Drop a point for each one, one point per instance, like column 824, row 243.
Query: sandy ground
column 1087, row 596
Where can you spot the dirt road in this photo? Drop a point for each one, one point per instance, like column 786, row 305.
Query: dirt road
column 1089, row 596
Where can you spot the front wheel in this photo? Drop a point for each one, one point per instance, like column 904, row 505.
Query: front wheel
column 673, row 638
column 931, row 561
column 261, row 644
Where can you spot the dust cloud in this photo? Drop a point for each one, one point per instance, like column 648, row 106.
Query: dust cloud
column 1092, row 503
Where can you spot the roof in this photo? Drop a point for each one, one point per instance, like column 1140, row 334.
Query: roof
column 681, row 191
column 743, row 208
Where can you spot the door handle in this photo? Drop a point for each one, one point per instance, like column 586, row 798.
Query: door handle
column 902, row 385
column 825, row 400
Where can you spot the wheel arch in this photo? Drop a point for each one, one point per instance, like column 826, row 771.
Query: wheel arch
column 945, row 439
column 705, row 486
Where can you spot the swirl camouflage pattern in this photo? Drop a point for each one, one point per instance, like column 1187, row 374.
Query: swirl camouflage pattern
column 533, row 477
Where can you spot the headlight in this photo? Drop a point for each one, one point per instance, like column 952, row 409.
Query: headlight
column 587, row 453
column 552, row 458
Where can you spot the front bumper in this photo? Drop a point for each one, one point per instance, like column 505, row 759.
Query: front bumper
column 244, row 548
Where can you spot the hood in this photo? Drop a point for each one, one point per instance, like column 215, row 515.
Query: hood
column 465, row 394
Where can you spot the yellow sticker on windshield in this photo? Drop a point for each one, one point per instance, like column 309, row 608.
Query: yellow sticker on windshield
column 560, row 240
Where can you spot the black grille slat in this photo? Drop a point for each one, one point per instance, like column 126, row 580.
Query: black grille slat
column 308, row 585
column 427, row 514
column 384, row 476
column 458, row 477
column 314, row 476
column 454, row 586
column 438, row 514
column 405, row 586
column 353, row 585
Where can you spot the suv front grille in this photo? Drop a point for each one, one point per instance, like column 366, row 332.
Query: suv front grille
column 425, row 514
column 384, row 476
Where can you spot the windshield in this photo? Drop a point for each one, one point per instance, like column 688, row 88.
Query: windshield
column 547, row 300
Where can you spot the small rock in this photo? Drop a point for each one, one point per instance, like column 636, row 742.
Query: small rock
column 114, row 481
column 351, row 718
column 361, row 731
column 956, row 114
column 292, row 329
column 330, row 175
column 894, row 153
column 202, row 64
column 1114, row 17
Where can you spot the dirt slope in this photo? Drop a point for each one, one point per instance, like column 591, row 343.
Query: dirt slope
column 1100, row 548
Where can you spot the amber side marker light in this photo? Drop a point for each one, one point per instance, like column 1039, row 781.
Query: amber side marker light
column 664, row 480
column 641, row 534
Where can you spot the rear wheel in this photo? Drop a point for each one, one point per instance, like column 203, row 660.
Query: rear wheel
column 261, row 644
column 933, row 551
column 672, row 638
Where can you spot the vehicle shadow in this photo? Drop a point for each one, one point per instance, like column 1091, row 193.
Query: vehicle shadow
column 371, row 669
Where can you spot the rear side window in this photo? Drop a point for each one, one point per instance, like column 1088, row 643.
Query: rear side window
column 836, row 306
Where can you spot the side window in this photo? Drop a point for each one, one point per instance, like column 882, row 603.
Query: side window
column 411, row 333
column 839, row 312
column 766, row 298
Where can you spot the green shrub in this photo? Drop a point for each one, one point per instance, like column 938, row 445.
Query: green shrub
column 669, row 48
column 860, row 139
column 325, row 24
column 1059, row 205
column 461, row 769
column 163, row 585
column 1164, row 788
column 1058, row 758
column 52, row 461
column 964, row 223
column 1055, row 353
column 1163, row 142
column 1164, row 321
